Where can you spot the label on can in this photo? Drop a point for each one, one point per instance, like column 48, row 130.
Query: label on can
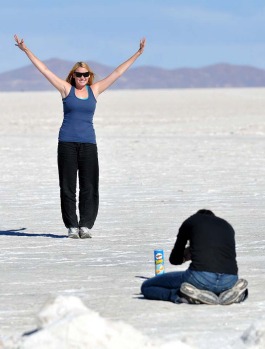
column 159, row 262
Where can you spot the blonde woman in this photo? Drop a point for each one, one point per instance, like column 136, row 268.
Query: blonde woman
column 77, row 148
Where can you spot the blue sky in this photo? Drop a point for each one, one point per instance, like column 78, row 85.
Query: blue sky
column 179, row 33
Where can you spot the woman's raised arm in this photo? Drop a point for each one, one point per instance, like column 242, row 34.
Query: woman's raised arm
column 61, row 85
column 102, row 85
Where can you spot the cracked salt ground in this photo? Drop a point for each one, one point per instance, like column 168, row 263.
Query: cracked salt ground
column 163, row 154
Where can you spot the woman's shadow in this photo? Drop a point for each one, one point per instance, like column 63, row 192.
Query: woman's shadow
column 20, row 232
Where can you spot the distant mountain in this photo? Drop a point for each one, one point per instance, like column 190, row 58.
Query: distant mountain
column 146, row 77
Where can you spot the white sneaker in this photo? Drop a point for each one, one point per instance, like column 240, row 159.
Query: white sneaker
column 84, row 233
column 234, row 294
column 73, row 233
column 197, row 296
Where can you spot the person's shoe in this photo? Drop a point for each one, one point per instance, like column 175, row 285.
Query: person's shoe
column 197, row 296
column 84, row 233
column 236, row 294
column 243, row 297
column 73, row 233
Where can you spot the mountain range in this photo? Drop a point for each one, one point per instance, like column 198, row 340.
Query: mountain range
column 221, row 75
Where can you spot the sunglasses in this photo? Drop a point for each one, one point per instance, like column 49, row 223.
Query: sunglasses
column 85, row 75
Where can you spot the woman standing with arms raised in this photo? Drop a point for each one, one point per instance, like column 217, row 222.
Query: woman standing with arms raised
column 77, row 148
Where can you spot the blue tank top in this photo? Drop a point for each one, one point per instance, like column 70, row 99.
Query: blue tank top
column 77, row 124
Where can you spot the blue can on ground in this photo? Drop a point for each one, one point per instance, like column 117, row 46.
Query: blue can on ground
column 159, row 262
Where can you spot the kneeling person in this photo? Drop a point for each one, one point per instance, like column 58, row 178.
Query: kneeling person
column 212, row 277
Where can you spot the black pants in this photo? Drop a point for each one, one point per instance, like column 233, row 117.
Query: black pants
column 81, row 158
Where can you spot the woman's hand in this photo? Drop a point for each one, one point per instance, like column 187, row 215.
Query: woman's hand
column 142, row 45
column 20, row 43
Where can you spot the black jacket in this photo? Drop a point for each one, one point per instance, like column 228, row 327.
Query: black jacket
column 212, row 244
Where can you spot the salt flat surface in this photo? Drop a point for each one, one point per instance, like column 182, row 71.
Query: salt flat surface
column 163, row 155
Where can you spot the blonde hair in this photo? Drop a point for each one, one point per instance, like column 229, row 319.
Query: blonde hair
column 71, row 79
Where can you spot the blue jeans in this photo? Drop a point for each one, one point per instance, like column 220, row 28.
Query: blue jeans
column 165, row 287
